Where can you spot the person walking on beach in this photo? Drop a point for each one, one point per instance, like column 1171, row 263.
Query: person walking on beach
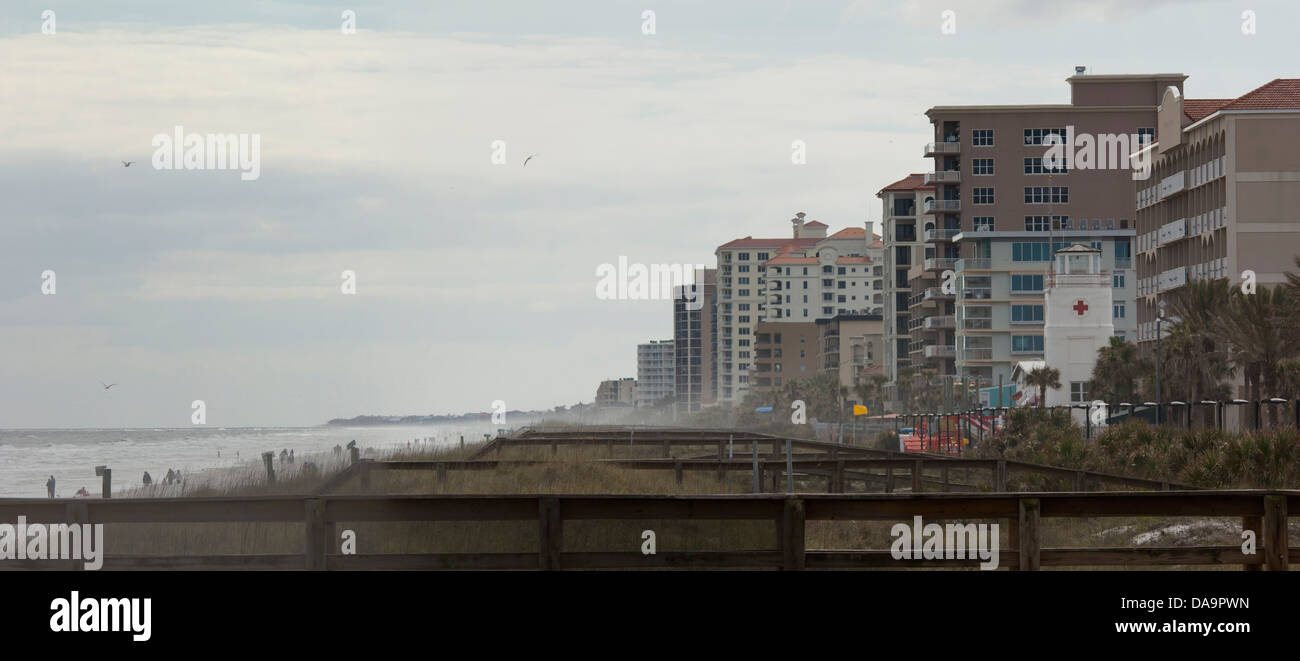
column 171, row 477
column 291, row 457
column 147, row 480
column 337, row 450
column 49, row 486
column 284, row 455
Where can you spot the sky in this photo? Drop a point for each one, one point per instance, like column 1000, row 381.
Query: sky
column 475, row 281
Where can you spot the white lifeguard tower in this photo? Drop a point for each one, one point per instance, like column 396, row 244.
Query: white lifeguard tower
column 1076, row 322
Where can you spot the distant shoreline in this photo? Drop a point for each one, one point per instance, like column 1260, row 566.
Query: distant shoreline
column 381, row 420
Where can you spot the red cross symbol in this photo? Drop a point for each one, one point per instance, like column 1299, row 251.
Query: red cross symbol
column 1080, row 307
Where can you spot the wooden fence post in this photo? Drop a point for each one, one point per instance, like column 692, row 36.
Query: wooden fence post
column 1254, row 524
column 106, row 489
column 1078, row 480
column 1000, row 477
column 792, row 534
column 837, row 478
column 316, row 539
column 667, row 450
column 1275, row 537
column 555, row 448
column 918, row 476
column 1029, row 534
column 677, row 471
column 442, row 473
column 353, row 453
column 944, row 472
column 889, row 479
column 550, row 533
column 758, row 477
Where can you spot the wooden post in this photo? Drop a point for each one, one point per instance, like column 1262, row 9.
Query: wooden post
column 719, row 449
column 1274, row 538
column 442, row 473
column 792, row 534
column 1028, row 533
column 550, row 533
column 944, row 472
column 789, row 468
column 106, row 490
column 462, row 441
column 722, row 473
column 1013, row 536
column 1254, row 524
column 353, row 453
column 837, row 478
column 316, row 538
column 918, row 476
column 667, row 451
column 889, row 479
column 1000, row 477
column 555, row 448
column 1078, row 480
column 758, row 479
column 677, row 471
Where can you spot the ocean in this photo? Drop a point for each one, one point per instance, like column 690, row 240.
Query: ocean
column 28, row 457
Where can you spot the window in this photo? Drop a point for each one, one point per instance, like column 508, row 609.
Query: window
column 1146, row 135
column 982, row 166
column 1026, row 344
column 1079, row 392
column 742, row 292
column 743, row 268
column 762, row 257
column 1026, row 314
column 1117, row 310
column 805, row 285
column 1117, row 281
column 1045, row 223
column 744, row 319
column 1036, row 136
column 1026, row 283
column 983, row 223
column 1030, row 251
column 1035, row 166
column 840, row 271
column 1047, row 194
column 982, row 195
column 742, row 281
column 744, row 257
column 982, row 138
column 743, row 307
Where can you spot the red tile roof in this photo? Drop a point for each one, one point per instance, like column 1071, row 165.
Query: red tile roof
column 786, row 258
column 850, row 233
column 910, row 182
column 751, row 242
column 814, row 223
column 1195, row 109
column 1277, row 94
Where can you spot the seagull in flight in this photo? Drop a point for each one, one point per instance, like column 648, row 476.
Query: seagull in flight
column 107, row 385
column 127, row 164
column 530, row 157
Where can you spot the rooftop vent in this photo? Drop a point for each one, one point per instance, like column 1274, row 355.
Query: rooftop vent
column 1079, row 71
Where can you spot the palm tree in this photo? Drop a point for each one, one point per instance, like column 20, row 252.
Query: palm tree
column 1260, row 331
column 1117, row 370
column 1043, row 378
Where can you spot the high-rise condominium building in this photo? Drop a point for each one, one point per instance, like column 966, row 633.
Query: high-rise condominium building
column 1001, row 208
column 902, row 248
column 695, row 342
column 812, row 276
column 1224, row 195
column 655, row 370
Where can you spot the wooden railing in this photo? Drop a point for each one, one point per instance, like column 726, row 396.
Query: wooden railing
column 1264, row 512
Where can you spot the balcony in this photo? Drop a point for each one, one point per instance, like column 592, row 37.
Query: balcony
column 942, row 148
column 1079, row 280
column 941, row 351
column 943, row 177
column 977, row 354
column 942, row 321
column 1172, row 279
column 935, row 293
column 974, row 264
column 1171, row 231
column 941, row 206
column 977, row 293
column 939, row 263
column 977, row 323
column 934, row 235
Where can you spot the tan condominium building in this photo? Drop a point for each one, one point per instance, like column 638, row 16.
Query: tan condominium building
column 1224, row 195
column 1002, row 206
column 847, row 346
column 616, row 392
